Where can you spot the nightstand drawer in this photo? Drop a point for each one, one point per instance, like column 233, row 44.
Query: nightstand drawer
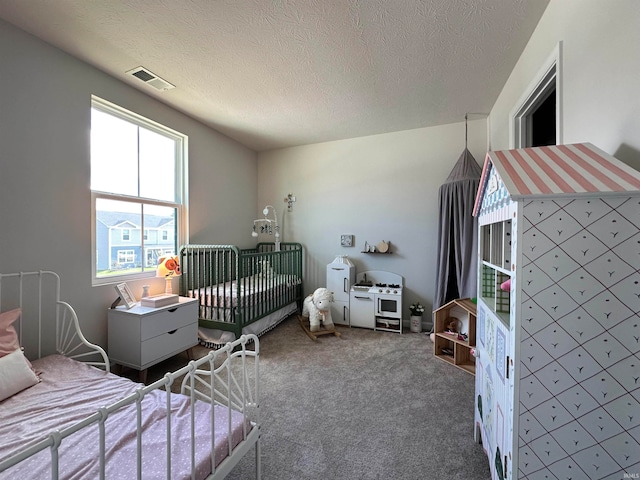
column 168, row 344
column 168, row 320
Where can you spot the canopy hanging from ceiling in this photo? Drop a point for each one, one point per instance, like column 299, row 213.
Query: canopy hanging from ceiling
column 456, row 268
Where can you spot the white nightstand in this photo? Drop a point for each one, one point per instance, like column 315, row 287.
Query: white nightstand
column 143, row 336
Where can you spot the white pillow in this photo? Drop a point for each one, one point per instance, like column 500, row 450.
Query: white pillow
column 15, row 374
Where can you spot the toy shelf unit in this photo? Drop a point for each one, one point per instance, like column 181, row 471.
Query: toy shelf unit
column 454, row 348
column 495, row 248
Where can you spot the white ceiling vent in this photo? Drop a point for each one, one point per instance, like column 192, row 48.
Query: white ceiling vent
column 150, row 78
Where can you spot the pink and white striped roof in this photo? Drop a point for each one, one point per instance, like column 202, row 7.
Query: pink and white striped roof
column 575, row 169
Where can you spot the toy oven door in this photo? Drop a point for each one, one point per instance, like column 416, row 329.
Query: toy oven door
column 388, row 306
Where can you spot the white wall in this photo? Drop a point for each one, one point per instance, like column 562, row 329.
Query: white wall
column 381, row 187
column 45, row 210
column 600, row 75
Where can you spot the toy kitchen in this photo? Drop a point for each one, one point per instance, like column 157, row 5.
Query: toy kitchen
column 375, row 301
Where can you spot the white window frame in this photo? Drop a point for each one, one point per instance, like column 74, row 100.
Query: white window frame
column 181, row 190
column 549, row 77
column 126, row 236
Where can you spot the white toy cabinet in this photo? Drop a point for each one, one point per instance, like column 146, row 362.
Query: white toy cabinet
column 558, row 366
column 341, row 274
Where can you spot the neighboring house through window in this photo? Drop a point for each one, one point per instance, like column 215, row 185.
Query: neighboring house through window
column 138, row 215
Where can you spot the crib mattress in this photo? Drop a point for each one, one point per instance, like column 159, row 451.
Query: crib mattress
column 218, row 301
column 70, row 391
column 251, row 290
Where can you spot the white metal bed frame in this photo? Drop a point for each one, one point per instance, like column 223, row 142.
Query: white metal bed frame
column 69, row 340
column 231, row 380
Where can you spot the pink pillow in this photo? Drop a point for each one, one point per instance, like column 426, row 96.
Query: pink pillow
column 9, row 341
column 506, row 286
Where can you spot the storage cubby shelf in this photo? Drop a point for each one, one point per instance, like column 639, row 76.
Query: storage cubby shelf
column 463, row 310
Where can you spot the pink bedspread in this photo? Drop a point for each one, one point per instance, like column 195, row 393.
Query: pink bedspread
column 71, row 391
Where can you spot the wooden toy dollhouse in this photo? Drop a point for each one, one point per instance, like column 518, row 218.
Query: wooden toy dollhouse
column 558, row 314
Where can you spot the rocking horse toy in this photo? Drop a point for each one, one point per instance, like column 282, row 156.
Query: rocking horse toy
column 317, row 309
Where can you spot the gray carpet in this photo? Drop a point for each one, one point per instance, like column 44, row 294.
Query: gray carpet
column 367, row 405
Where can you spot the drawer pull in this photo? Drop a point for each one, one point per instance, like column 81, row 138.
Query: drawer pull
column 172, row 309
column 172, row 331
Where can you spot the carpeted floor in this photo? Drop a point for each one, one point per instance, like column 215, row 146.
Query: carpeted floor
column 367, row 405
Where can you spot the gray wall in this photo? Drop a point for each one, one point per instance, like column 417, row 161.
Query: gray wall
column 45, row 101
column 381, row 187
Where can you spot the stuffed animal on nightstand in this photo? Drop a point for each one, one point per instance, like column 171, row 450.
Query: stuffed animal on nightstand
column 317, row 306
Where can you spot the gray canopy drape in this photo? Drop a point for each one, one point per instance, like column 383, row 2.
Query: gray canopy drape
column 456, row 267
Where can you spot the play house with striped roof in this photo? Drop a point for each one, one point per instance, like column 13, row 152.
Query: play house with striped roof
column 558, row 313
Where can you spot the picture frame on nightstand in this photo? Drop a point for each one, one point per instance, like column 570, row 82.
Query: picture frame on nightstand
column 126, row 295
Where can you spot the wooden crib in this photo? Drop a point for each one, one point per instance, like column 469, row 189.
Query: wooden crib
column 241, row 291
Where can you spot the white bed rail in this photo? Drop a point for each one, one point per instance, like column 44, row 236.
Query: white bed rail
column 231, row 381
column 38, row 295
column 239, row 366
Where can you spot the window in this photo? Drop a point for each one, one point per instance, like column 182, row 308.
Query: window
column 125, row 257
column 137, row 193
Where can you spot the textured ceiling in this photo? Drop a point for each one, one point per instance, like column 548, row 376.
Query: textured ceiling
column 277, row 73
